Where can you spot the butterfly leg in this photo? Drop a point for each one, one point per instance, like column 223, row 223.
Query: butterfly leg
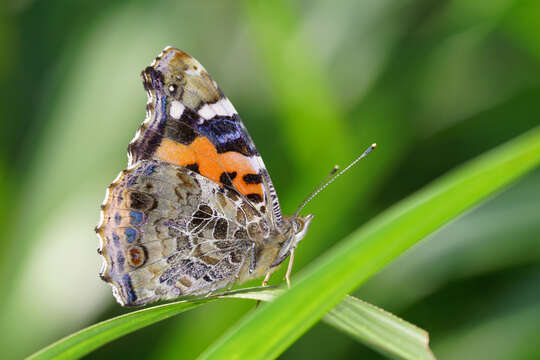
column 266, row 279
column 264, row 283
column 289, row 269
column 234, row 280
column 231, row 284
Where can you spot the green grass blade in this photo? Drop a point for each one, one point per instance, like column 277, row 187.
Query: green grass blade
column 362, row 321
column 268, row 332
column 370, row 325
column 85, row 341
column 380, row 330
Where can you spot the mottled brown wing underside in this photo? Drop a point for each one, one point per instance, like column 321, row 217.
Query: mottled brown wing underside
column 167, row 231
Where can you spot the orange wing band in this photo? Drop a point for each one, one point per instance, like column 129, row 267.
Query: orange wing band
column 211, row 164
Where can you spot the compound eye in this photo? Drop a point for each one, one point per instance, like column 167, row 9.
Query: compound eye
column 298, row 225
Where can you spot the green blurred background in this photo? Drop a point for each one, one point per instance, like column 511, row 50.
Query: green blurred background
column 434, row 83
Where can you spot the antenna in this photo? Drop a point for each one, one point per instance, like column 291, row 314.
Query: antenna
column 330, row 179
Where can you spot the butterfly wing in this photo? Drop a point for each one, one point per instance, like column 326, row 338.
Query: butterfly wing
column 167, row 231
column 190, row 123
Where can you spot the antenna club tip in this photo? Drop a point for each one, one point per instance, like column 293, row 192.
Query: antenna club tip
column 374, row 145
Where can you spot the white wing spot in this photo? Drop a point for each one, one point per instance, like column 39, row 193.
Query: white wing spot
column 222, row 107
column 226, row 104
column 177, row 109
column 206, row 112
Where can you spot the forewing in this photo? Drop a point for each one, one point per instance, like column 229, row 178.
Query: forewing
column 190, row 123
column 167, row 231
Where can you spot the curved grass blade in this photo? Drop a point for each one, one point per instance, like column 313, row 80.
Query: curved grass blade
column 266, row 333
column 379, row 329
column 372, row 326
column 364, row 322
column 87, row 340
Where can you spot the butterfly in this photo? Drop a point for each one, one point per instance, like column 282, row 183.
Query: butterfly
column 195, row 211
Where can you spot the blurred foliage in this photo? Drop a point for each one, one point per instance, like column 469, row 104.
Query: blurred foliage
column 433, row 82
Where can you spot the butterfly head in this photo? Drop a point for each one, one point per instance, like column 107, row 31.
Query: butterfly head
column 298, row 227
